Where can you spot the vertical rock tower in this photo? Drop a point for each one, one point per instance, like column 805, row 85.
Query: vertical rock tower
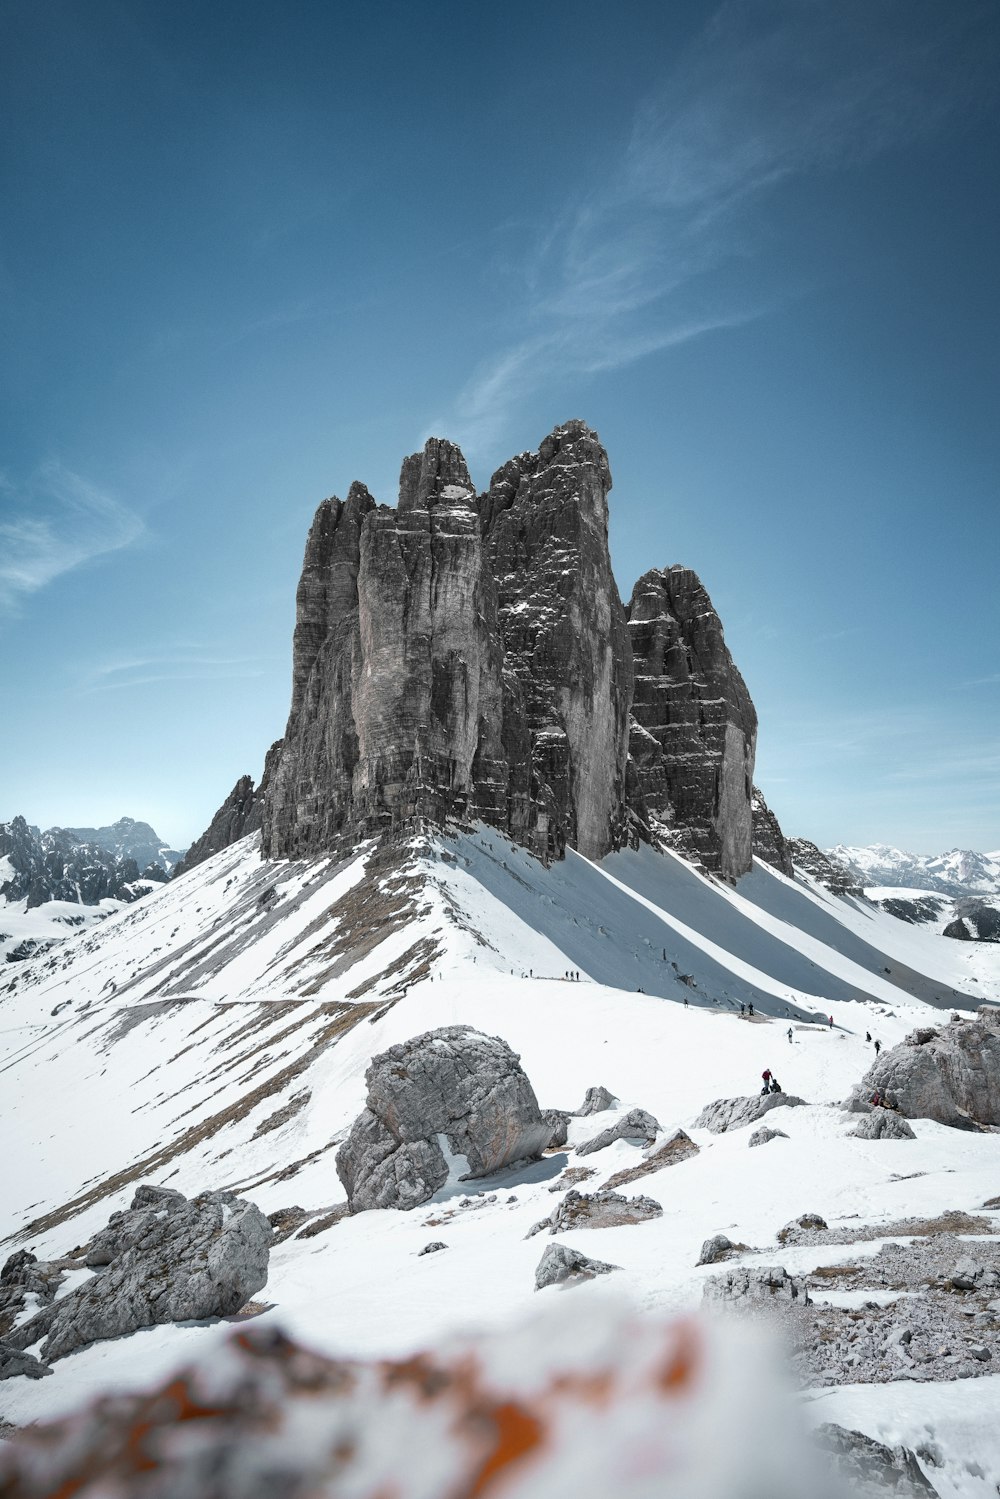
column 469, row 658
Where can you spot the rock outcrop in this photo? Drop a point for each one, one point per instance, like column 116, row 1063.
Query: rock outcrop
column 882, row 1124
column 949, row 1073
column 637, row 1125
column 754, row 1285
column 694, row 731
column 603, row 1209
column 733, row 1113
column 453, row 1088
column 975, row 920
column 165, row 1259
column 867, row 1469
column 560, row 1265
column 465, row 657
column 595, row 1101
column 837, row 878
column 240, row 814
column 769, row 842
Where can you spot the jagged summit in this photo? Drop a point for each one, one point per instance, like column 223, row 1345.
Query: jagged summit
column 465, row 657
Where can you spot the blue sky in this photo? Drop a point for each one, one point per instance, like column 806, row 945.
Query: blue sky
column 252, row 252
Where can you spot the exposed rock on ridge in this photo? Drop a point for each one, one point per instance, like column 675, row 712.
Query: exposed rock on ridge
column 239, row 815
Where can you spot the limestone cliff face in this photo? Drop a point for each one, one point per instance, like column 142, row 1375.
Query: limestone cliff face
column 470, row 658
column 565, row 641
column 694, row 729
column 240, row 814
column 396, row 682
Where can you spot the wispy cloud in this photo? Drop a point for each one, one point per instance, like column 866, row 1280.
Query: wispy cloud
column 55, row 523
column 770, row 90
column 172, row 663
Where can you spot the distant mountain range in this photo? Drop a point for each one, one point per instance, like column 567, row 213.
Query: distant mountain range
column 86, row 865
column 960, row 872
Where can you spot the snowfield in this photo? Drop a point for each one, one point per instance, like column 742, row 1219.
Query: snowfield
column 216, row 1034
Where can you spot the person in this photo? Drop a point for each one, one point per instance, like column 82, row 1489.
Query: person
column 750, row 1009
column 743, row 1008
column 876, row 1099
column 775, row 1085
column 685, row 1001
column 766, row 1075
column 831, row 1022
column 789, row 1035
column 868, row 1036
column 878, row 1047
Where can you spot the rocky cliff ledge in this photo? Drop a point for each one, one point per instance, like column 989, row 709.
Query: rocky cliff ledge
column 468, row 657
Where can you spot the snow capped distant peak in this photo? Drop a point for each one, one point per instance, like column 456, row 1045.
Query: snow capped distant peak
column 958, row 872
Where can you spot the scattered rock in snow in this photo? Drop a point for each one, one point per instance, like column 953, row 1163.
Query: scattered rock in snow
column 560, row 1264
column 597, row 1210
column 679, row 1147
column 595, row 1101
column 635, row 1125
column 717, row 1248
column 571, row 1177
column 882, row 1124
column 432, row 1247
column 285, row 1221
column 452, row 1084
column 755, row 1283
column 200, row 1258
column 765, row 1133
column 805, row 1223
column 14, row 1362
column 870, row 1470
column 733, row 1113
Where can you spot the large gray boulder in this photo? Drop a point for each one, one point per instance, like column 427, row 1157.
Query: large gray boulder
column 596, row 1100
column 163, row 1261
column 560, row 1265
column 882, row 1124
column 636, row 1125
column 867, row 1469
column 733, row 1113
column 950, row 1073
column 452, row 1087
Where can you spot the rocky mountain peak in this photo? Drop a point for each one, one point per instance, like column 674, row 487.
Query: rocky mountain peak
column 439, row 472
column 465, row 657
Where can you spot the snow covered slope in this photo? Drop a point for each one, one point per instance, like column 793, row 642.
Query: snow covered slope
column 216, row 1035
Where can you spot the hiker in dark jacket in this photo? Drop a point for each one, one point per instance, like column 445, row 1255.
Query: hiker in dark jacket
column 878, row 1047
column 775, row 1085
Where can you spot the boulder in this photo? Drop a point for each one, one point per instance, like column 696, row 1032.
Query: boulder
column 882, row 1124
column 451, row 1088
column 733, row 1113
column 805, row 1223
column 765, row 1133
column 950, row 1073
column 432, row 1248
column 200, row 1258
column 717, row 1248
column 755, row 1284
column 596, row 1100
column 601, row 1209
column 635, row 1125
column 560, row 1265
column 867, row 1469
column 23, row 1274
column 14, row 1363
